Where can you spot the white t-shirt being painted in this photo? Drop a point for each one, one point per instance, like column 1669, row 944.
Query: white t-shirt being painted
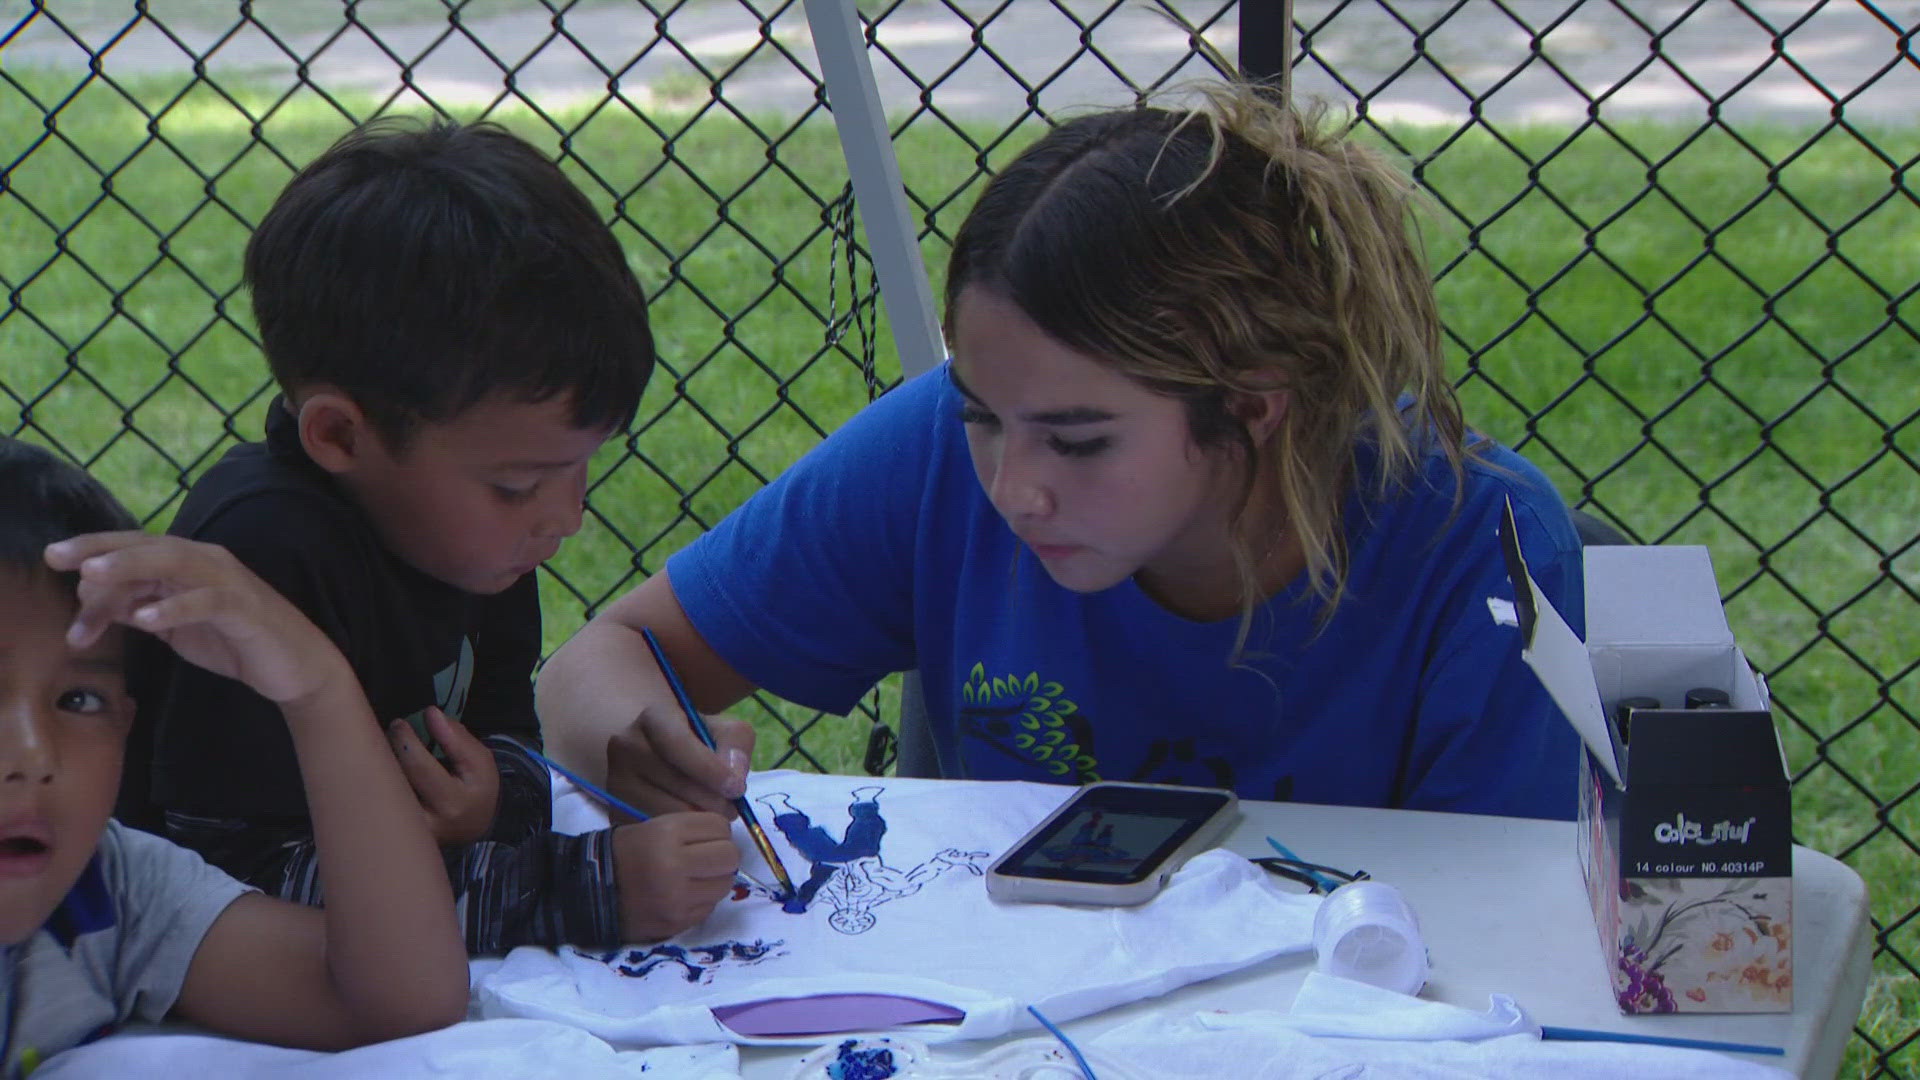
column 891, row 872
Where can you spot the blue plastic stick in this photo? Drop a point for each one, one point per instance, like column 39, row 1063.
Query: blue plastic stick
column 1325, row 883
column 1567, row 1034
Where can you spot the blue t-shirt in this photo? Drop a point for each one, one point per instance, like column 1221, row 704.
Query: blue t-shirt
column 879, row 552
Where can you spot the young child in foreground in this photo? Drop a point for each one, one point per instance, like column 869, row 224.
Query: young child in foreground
column 101, row 923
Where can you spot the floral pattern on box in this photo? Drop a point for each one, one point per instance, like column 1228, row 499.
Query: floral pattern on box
column 1704, row 945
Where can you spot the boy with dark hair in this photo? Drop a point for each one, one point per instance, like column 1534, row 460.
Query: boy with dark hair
column 454, row 332
column 100, row 923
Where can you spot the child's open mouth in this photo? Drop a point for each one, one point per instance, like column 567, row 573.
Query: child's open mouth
column 21, row 855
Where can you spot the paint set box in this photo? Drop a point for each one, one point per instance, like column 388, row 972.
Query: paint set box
column 1685, row 812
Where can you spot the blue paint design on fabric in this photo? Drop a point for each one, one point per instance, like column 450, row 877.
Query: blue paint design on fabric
column 865, row 829
column 696, row 962
column 854, row 1063
column 848, row 873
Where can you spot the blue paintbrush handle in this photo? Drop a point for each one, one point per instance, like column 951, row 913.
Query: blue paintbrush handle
column 591, row 788
column 607, row 797
column 758, row 834
column 679, row 691
column 693, row 715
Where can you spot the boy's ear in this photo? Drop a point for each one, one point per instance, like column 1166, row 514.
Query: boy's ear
column 333, row 430
column 1261, row 411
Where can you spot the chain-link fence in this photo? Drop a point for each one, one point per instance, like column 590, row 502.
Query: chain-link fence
column 1676, row 245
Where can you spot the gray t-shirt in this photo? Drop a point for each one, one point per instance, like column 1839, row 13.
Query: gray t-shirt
column 117, row 947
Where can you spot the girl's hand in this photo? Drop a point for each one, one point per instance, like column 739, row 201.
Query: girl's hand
column 659, row 765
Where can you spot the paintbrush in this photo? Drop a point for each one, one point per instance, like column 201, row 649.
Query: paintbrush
column 700, row 728
column 617, row 803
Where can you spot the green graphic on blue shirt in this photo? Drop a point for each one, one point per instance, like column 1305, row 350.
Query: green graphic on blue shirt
column 1030, row 721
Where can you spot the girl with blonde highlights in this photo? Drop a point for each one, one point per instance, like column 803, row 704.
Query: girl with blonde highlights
column 1210, row 513
column 1260, row 251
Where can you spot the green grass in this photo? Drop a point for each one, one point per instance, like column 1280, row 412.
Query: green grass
column 1746, row 331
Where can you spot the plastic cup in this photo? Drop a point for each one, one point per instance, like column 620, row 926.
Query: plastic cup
column 1365, row 931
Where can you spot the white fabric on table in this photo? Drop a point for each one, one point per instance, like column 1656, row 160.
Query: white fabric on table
column 1338, row 1030
column 915, row 921
column 1342, row 1028
column 1331, row 1006
column 482, row 1050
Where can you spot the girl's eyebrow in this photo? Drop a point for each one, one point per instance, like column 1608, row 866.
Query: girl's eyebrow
column 1065, row 417
column 953, row 376
column 1077, row 414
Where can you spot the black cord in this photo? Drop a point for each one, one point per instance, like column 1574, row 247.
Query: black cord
column 1305, row 872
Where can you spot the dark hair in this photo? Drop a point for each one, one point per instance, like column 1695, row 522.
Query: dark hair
column 421, row 268
column 1226, row 249
column 43, row 500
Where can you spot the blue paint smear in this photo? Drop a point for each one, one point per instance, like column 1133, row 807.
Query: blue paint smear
column 861, row 839
column 694, row 961
column 856, row 1064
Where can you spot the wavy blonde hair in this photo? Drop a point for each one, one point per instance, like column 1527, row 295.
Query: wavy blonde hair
column 1222, row 250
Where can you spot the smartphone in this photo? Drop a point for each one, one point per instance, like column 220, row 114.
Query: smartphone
column 1112, row 843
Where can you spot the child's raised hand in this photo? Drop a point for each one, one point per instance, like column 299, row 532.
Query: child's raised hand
column 203, row 603
column 460, row 797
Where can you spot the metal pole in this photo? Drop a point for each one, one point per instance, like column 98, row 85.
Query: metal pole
column 1266, row 42
column 877, row 190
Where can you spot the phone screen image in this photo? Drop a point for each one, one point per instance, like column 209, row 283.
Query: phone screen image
column 1119, row 838
column 1099, row 839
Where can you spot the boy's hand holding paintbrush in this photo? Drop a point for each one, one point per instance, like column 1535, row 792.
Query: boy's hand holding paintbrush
column 673, row 869
column 672, row 760
column 675, row 857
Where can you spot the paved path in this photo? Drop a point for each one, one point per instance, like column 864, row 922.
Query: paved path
column 1848, row 46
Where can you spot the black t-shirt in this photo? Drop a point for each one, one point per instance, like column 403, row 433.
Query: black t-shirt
column 220, row 750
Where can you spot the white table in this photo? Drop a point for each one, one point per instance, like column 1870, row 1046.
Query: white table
column 1503, row 910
